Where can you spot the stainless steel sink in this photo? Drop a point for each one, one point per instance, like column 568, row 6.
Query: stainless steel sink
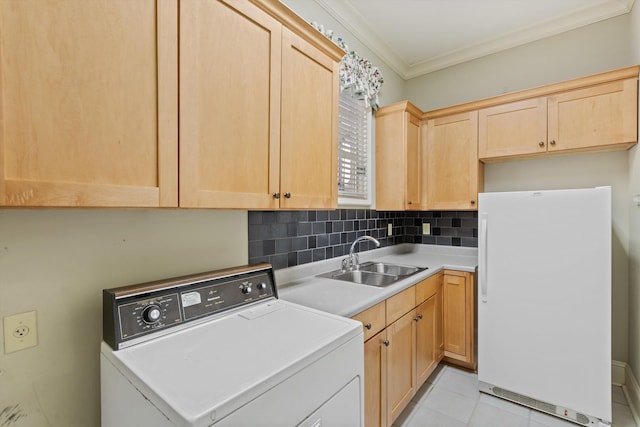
column 395, row 269
column 374, row 274
column 365, row 277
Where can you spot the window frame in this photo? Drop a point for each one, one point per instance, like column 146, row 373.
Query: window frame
column 350, row 201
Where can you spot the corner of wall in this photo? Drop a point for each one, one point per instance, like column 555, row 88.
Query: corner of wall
column 632, row 392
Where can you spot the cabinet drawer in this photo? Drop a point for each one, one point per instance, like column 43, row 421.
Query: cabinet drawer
column 400, row 304
column 428, row 287
column 372, row 319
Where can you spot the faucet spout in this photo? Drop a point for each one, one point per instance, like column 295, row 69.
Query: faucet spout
column 353, row 262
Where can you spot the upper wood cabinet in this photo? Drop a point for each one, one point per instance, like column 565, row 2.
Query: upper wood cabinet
column 595, row 113
column 258, row 108
column 601, row 116
column 230, row 67
column 89, row 103
column 91, row 114
column 398, row 157
column 453, row 175
column 309, row 126
column 517, row 128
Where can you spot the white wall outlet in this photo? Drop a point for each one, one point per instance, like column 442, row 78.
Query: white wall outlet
column 389, row 229
column 20, row 331
column 426, row 228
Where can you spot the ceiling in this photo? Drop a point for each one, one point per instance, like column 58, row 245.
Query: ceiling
column 415, row 37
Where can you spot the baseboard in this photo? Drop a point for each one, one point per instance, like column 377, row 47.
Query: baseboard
column 618, row 373
column 630, row 388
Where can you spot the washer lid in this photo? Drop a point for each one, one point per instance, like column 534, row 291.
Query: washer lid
column 205, row 372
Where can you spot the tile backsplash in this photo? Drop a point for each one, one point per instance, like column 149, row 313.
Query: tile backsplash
column 289, row 238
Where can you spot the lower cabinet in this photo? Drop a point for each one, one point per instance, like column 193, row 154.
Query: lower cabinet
column 403, row 345
column 401, row 356
column 427, row 325
column 459, row 318
column 375, row 380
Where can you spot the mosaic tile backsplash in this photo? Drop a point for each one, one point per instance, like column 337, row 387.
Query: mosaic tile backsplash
column 289, row 238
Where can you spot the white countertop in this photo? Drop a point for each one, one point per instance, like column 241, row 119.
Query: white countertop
column 301, row 285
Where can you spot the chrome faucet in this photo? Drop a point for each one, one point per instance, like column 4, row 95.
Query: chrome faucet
column 352, row 262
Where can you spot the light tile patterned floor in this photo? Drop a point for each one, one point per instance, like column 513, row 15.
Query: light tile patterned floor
column 450, row 398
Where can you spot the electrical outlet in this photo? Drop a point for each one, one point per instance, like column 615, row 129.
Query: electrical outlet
column 20, row 331
column 389, row 229
column 426, row 228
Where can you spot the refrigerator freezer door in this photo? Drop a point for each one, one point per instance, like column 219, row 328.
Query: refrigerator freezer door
column 544, row 316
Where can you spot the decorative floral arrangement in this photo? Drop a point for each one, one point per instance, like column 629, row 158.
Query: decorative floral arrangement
column 357, row 75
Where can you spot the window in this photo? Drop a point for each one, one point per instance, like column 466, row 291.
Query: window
column 354, row 151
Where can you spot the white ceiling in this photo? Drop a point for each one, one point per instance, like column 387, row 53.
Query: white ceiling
column 416, row 37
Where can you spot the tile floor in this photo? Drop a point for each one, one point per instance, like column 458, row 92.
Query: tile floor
column 450, row 398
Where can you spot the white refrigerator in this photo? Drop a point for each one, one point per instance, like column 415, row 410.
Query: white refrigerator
column 544, row 301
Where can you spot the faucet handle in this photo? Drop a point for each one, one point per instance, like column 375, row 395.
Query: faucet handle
column 346, row 264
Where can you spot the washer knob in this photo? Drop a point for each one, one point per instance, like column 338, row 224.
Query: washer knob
column 246, row 288
column 262, row 286
column 151, row 314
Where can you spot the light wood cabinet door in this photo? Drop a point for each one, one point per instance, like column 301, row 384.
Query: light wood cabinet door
column 598, row 116
column 398, row 157
column 230, row 73
column 440, row 319
column 89, row 103
column 375, row 381
column 454, row 176
column 401, row 385
column 258, row 111
column 412, row 184
column 516, row 128
column 309, row 132
column 426, row 339
column 599, row 113
column 459, row 318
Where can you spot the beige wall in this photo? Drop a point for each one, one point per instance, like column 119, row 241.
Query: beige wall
column 598, row 47
column 634, row 220
column 58, row 261
column 595, row 48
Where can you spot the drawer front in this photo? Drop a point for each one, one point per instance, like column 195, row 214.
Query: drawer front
column 373, row 320
column 428, row 287
column 400, row 304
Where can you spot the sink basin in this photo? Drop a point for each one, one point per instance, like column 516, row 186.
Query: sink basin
column 374, row 274
column 395, row 269
column 365, row 277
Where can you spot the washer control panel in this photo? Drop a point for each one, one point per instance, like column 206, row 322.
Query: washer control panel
column 215, row 297
column 139, row 317
column 138, row 311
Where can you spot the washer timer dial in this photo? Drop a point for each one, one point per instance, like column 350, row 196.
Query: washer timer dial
column 151, row 314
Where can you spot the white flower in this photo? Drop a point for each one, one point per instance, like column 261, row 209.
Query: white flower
column 357, row 75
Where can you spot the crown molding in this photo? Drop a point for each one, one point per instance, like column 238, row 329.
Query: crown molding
column 342, row 12
column 354, row 23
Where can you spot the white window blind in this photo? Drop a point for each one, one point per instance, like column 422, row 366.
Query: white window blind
column 353, row 148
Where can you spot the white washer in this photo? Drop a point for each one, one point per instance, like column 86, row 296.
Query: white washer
column 220, row 349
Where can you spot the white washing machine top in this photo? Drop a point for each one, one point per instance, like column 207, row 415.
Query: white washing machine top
column 199, row 371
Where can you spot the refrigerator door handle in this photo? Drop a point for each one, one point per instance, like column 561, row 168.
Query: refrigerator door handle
column 482, row 255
